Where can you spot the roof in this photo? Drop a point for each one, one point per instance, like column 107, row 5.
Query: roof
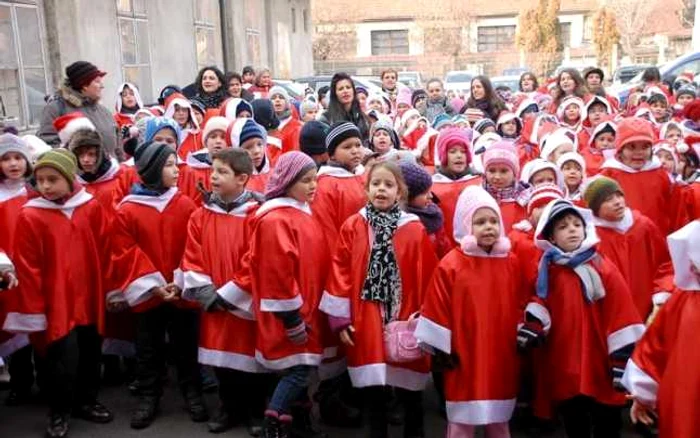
column 487, row 8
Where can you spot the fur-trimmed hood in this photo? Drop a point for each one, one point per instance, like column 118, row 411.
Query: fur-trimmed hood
column 73, row 97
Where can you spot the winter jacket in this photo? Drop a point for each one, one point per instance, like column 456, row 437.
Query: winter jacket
column 358, row 119
column 434, row 109
column 67, row 100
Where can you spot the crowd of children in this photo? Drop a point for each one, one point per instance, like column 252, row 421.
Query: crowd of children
column 542, row 247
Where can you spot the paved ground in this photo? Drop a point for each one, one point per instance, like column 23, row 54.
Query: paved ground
column 30, row 421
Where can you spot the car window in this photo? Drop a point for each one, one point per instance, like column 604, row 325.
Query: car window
column 688, row 67
column 458, row 77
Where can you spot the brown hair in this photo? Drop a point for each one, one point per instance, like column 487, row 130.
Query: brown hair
column 392, row 167
column 389, row 70
column 237, row 159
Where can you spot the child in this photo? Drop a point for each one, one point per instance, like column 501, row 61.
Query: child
column 265, row 116
column 218, row 235
column 569, row 112
column 646, row 184
column 454, row 173
column 290, row 126
column 146, row 256
column 685, row 95
column 584, row 309
column 197, row 171
column 573, row 169
column 539, row 171
column 308, row 110
column 658, row 105
column 312, row 141
column 482, row 277
column 381, row 267
column 385, row 141
column 127, row 104
column 178, row 108
column 340, row 192
column 501, row 182
column 628, row 239
column 597, row 110
column 557, row 143
column 535, row 128
column 668, row 157
column 251, row 137
column 672, row 133
column 601, row 147
column 419, row 202
column 509, row 126
column 234, row 109
column 485, row 126
column 661, row 376
column 289, row 261
column 62, row 261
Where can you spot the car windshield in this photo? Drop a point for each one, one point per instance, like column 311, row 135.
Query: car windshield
column 459, row 77
column 513, row 84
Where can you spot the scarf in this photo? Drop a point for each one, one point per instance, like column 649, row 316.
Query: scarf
column 593, row 288
column 212, row 100
column 285, row 114
column 430, row 215
column 454, row 176
column 127, row 110
column 102, row 169
column 518, row 192
column 142, row 190
column 484, row 105
column 383, row 282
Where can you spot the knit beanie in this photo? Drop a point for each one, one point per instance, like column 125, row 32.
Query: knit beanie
column 233, row 107
column 441, row 121
column 156, row 124
column 559, row 208
column 216, row 123
column 243, row 130
column 12, row 143
column 418, row 94
column 473, row 115
column 418, row 180
column 264, row 114
column 61, row 160
column 277, row 90
column 503, row 152
column 339, row 132
column 306, row 106
column 633, row 129
column 483, row 124
column 543, row 195
column 384, row 124
column 688, row 90
column 150, row 159
column 290, row 167
column 312, row 139
column 449, row 138
column 404, row 96
column 598, row 190
column 81, row 73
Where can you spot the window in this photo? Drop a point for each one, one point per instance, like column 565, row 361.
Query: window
column 206, row 23
column 587, row 29
column 565, row 34
column 305, row 17
column 22, row 69
column 135, row 48
column 495, row 38
column 294, row 20
column 253, row 24
column 389, row 42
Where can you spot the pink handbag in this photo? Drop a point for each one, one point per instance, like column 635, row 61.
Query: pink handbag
column 400, row 343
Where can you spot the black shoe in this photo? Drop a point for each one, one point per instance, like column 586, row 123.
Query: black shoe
column 196, row 407
column 18, row 398
column 334, row 412
column 58, row 426
column 254, row 427
column 303, row 425
column 145, row 413
column 93, row 412
column 273, row 428
column 221, row 422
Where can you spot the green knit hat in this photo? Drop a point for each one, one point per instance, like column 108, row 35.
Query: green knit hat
column 61, row 160
column 600, row 189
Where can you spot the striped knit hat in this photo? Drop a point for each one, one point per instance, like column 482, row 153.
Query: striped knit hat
column 61, row 160
column 543, row 195
column 340, row 131
column 290, row 167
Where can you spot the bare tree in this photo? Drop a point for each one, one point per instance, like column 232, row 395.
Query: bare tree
column 631, row 17
column 445, row 27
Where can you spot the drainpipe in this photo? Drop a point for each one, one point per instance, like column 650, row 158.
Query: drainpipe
column 224, row 36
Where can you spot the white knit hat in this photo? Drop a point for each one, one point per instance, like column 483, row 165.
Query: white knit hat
column 216, row 123
column 12, row 143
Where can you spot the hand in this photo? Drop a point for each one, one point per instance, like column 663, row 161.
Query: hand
column 9, row 279
column 165, row 294
column 653, row 314
column 640, row 413
column 346, row 336
column 117, row 306
column 174, row 289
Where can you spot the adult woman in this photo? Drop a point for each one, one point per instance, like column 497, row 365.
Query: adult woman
column 569, row 83
column 234, row 87
column 263, row 83
column 528, row 82
column 343, row 106
column 210, row 87
column 484, row 98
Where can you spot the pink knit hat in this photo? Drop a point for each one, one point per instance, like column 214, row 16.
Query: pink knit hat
column 470, row 200
column 502, row 152
column 449, row 138
column 290, row 167
column 404, row 96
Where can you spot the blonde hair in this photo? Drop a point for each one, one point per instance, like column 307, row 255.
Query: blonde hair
column 395, row 170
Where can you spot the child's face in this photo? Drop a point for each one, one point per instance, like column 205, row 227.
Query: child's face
column 666, row 161
column 128, row 98
column 170, row 172
column 658, row 109
column 402, row 108
column 684, row 99
column 256, row 150
column 349, row 153
column 499, row 176
column 245, row 115
column 509, row 128
column 216, row 141
column 596, row 114
column 382, row 142
column 544, row 176
column 181, row 115
column 199, row 116
column 422, row 200
column 278, row 103
column 304, row 189
column 51, row 184
column 456, row 159
column 636, row 154
column 310, row 115
column 673, row 136
column 167, row 136
column 558, row 152
column 613, row 208
column 383, row 190
column 13, row 166
column 435, row 90
column 568, row 233
column 87, row 158
column 225, row 182
column 486, row 227
column 375, row 105
column 573, row 175
column 605, row 141
column 572, row 113
column 362, row 99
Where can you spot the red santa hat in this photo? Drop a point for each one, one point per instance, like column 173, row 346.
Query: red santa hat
column 538, row 165
column 181, row 101
column 472, row 199
column 571, row 100
column 607, row 125
column 70, row 123
column 594, row 99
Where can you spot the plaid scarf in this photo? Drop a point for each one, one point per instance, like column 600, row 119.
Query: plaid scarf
column 383, row 282
column 518, row 192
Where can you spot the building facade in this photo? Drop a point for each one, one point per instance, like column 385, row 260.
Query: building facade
column 151, row 43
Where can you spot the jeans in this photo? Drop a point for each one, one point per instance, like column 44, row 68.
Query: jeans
column 290, row 388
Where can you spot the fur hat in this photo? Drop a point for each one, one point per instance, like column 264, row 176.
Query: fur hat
column 67, row 124
column 84, row 138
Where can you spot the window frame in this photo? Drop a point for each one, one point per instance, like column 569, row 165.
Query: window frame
column 392, row 34
column 202, row 24
column 498, row 36
column 134, row 18
column 24, row 116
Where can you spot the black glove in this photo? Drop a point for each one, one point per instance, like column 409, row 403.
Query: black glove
column 443, row 361
column 530, row 335
column 618, row 362
column 126, row 132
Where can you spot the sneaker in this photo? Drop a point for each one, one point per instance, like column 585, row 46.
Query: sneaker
column 58, row 426
column 93, row 412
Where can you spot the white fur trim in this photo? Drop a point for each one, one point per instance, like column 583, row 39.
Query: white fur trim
column 433, row 334
column 227, row 359
column 334, row 306
column 25, row 322
column 236, row 296
column 640, row 384
column 240, row 211
column 8, row 191
column 139, row 290
column 660, row 298
column 74, row 126
column 67, row 208
column 625, row 336
column 480, row 412
column 194, row 279
column 382, row 374
column 311, row 359
column 540, row 312
column 621, row 226
column 5, row 263
column 339, row 172
column 286, row 305
column 160, row 203
column 283, row 202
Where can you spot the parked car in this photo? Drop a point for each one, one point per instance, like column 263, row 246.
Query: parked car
column 411, row 79
column 625, row 74
column 296, row 91
column 689, row 62
column 459, row 81
column 512, row 82
column 316, row 82
column 515, row 71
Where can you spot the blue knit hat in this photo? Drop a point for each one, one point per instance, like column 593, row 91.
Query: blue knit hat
column 442, row 120
column 243, row 130
column 312, row 138
column 155, row 124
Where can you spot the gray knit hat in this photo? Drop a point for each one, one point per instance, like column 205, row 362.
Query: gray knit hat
column 12, row 143
column 150, row 159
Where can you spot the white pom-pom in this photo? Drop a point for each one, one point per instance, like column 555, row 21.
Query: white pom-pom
column 682, row 148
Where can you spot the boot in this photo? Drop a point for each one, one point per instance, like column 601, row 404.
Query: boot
column 302, row 424
column 273, row 427
column 221, row 422
column 58, row 426
column 334, row 412
column 195, row 406
column 145, row 412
